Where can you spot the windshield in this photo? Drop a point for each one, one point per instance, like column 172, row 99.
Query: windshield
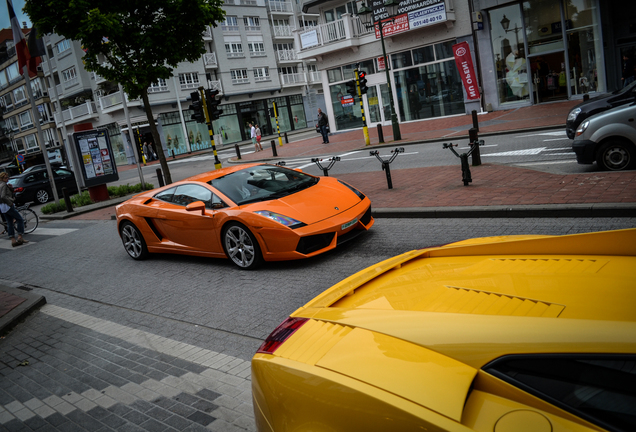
column 262, row 183
column 625, row 89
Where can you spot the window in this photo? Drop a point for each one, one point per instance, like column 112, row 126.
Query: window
column 3, row 80
column 189, row 193
column 189, row 80
column 32, row 146
column 423, row 55
column 261, row 74
column 62, row 46
column 230, row 24
column 13, row 72
column 239, row 76
column 257, row 49
column 5, row 101
column 19, row 95
column 159, row 86
column 12, row 123
column 25, row 120
column 252, row 23
column 234, row 50
column 69, row 74
column 444, row 50
column 599, row 388
column 401, row 60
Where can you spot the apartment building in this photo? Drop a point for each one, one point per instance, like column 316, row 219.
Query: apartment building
column 18, row 132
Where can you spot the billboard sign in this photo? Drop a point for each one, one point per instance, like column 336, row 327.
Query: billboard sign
column 466, row 70
column 95, row 153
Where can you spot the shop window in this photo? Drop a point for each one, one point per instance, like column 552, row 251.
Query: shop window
column 423, row 55
column 401, row 60
column 444, row 50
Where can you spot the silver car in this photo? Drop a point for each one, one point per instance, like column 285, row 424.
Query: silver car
column 609, row 138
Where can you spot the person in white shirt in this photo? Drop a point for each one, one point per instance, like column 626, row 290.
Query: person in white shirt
column 253, row 135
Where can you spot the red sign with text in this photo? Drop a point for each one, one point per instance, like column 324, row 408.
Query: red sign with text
column 466, row 70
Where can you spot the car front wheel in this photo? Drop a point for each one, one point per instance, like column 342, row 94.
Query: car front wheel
column 241, row 246
column 133, row 241
column 616, row 155
column 42, row 196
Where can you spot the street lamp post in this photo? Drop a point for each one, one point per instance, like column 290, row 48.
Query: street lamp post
column 505, row 23
column 368, row 20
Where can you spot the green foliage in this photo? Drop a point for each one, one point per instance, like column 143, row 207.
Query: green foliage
column 84, row 198
column 132, row 42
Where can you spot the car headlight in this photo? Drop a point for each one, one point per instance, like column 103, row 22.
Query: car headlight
column 573, row 114
column 281, row 219
column 354, row 190
column 582, row 127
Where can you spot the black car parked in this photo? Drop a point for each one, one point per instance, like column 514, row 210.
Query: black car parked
column 34, row 185
column 587, row 109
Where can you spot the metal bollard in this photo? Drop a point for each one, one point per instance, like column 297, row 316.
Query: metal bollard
column 160, row 177
column 238, row 151
column 380, row 133
column 475, row 121
column 325, row 171
column 67, row 200
column 286, row 140
column 586, row 97
column 466, row 176
column 474, row 139
column 274, row 153
column 386, row 163
column 174, row 156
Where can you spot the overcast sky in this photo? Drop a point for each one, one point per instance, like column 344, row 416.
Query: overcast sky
column 17, row 8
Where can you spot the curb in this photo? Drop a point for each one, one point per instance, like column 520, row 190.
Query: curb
column 30, row 303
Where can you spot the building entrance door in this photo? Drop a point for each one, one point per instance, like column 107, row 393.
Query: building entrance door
column 378, row 105
column 549, row 77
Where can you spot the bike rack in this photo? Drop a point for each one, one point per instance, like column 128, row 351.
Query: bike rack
column 281, row 163
column 332, row 162
column 385, row 163
column 466, row 177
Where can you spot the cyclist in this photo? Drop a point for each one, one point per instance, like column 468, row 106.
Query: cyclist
column 9, row 212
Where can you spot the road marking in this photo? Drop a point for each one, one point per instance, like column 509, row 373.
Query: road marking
column 556, row 139
column 53, row 231
column 483, row 146
column 526, row 152
column 559, row 133
column 546, row 163
column 561, row 148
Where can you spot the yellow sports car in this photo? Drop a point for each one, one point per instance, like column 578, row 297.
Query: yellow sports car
column 504, row 334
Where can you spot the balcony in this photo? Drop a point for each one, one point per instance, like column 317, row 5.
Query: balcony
column 77, row 114
column 113, row 102
column 314, row 77
column 70, row 83
column 209, row 60
column 230, row 29
column 215, row 85
column 290, row 80
column 240, row 80
column 280, row 7
column 48, row 65
column 235, row 55
column 253, row 29
column 283, row 32
column 207, row 34
column 287, row 56
column 334, row 36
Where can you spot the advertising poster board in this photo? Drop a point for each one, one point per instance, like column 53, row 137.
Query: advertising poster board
column 96, row 155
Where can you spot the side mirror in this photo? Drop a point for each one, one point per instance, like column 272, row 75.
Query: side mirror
column 196, row 206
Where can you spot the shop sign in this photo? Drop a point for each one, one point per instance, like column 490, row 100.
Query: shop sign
column 309, row 39
column 466, row 70
column 381, row 64
column 346, row 101
column 428, row 16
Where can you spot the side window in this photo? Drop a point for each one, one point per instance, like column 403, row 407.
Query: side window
column 598, row 388
column 165, row 195
column 189, row 193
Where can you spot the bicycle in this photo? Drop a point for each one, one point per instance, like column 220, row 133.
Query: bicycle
column 30, row 217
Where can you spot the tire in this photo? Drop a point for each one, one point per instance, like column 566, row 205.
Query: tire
column 241, row 246
column 31, row 220
column 616, row 155
column 133, row 241
column 42, row 196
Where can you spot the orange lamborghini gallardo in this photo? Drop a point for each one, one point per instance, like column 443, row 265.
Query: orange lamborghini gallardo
column 248, row 213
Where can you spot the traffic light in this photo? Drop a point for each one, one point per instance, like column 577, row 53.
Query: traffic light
column 197, row 107
column 213, row 103
column 362, row 81
column 351, row 88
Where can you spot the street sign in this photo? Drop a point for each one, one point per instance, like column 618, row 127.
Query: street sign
column 21, row 158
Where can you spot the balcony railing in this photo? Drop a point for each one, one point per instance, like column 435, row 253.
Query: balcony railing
column 77, row 113
column 346, row 28
column 314, row 76
column 70, row 83
column 262, row 78
column 229, row 29
column 258, row 54
column 292, row 79
column 235, row 54
column 240, row 80
column 248, row 3
column 252, row 29
column 286, row 55
column 209, row 59
column 113, row 102
column 280, row 6
column 207, row 33
column 215, row 85
column 283, row 31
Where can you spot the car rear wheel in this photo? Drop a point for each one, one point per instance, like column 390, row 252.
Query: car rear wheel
column 42, row 196
column 133, row 241
column 241, row 246
column 616, row 155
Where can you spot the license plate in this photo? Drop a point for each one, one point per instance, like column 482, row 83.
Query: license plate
column 348, row 224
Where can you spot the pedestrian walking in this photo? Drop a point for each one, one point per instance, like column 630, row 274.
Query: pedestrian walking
column 151, row 152
column 323, row 124
column 8, row 210
column 253, row 135
column 628, row 70
column 145, row 150
column 257, row 132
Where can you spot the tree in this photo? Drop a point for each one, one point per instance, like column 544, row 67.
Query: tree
column 131, row 42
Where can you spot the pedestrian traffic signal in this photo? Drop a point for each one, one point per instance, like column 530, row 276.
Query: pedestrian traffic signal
column 213, row 104
column 351, row 88
column 197, row 107
column 362, row 81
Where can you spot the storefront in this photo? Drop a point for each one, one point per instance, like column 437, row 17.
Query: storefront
column 540, row 51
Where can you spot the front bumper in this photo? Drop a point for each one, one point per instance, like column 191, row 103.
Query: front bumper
column 585, row 151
